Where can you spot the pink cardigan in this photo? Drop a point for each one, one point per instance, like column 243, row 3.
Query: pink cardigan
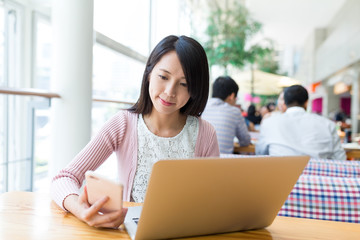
column 119, row 135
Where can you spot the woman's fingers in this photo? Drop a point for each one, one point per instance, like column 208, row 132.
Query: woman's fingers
column 110, row 220
column 95, row 208
column 83, row 198
column 93, row 216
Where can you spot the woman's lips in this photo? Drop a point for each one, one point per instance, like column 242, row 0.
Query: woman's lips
column 165, row 102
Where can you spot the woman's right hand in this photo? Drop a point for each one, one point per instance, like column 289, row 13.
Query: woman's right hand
column 90, row 214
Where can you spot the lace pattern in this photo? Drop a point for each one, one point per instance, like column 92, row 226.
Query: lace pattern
column 151, row 148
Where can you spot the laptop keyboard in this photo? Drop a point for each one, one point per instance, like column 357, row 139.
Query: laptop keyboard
column 136, row 220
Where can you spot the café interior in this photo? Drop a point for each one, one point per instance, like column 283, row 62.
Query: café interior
column 67, row 66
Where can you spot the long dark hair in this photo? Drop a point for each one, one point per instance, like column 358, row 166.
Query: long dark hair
column 195, row 67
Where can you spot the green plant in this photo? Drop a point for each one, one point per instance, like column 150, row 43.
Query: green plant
column 229, row 31
column 267, row 63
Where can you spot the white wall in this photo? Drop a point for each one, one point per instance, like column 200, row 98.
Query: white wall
column 330, row 54
column 307, row 65
column 341, row 47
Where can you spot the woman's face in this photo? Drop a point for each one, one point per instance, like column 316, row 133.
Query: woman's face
column 167, row 85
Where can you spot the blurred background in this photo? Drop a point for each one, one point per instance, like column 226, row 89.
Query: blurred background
column 67, row 66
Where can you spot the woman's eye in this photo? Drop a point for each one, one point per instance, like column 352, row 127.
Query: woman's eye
column 183, row 84
column 162, row 77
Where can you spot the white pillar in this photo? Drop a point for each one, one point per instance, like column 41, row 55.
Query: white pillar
column 72, row 24
column 355, row 98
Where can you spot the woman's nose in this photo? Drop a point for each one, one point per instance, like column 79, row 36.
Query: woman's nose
column 170, row 90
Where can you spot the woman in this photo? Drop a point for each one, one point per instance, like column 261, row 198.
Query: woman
column 165, row 122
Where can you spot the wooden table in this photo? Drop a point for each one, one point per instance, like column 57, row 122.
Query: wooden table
column 244, row 150
column 352, row 150
column 26, row 215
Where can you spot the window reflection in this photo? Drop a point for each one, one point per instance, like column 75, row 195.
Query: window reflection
column 124, row 21
column 116, row 76
column 42, row 53
column 2, row 33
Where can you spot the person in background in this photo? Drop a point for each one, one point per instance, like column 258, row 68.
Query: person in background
column 271, row 106
column 280, row 107
column 297, row 132
column 267, row 109
column 165, row 122
column 264, row 111
column 340, row 116
column 227, row 119
column 253, row 117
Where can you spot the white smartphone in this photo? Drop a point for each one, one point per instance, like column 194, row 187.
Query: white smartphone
column 99, row 186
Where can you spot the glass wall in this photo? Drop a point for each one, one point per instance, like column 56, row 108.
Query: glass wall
column 14, row 154
column 115, row 75
column 42, row 52
column 3, row 170
column 25, row 120
column 126, row 22
column 2, row 45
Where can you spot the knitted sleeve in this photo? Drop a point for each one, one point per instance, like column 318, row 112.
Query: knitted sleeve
column 69, row 180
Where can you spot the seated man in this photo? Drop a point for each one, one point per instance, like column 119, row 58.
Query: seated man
column 297, row 132
column 227, row 119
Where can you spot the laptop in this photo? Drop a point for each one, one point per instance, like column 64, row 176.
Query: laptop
column 202, row 196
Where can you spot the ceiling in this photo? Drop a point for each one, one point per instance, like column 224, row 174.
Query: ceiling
column 290, row 22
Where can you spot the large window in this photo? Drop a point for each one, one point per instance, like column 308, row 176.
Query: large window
column 115, row 75
column 2, row 103
column 42, row 53
column 2, row 45
column 14, row 155
column 24, row 121
column 25, row 62
column 124, row 21
column 41, row 111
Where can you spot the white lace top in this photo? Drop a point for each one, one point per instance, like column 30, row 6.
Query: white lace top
column 151, row 148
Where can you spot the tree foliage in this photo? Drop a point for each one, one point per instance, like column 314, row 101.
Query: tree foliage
column 228, row 33
column 266, row 62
